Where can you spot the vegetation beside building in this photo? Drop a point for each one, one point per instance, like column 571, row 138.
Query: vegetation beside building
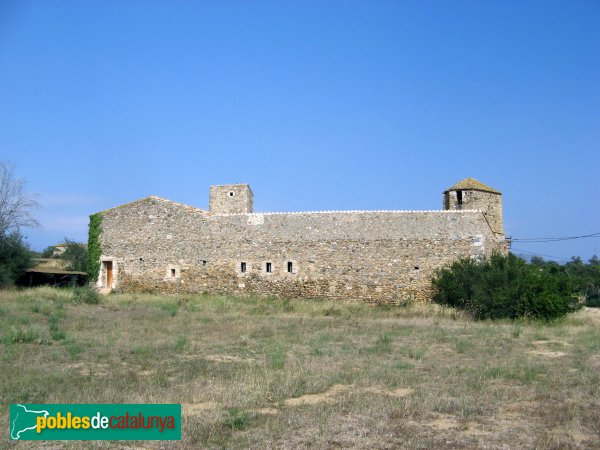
column 509, row 287
column 94, row 251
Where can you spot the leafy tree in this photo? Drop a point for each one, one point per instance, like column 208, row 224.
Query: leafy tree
column 584, row 279
column 48, row 252
column 76, row 256
column 14, row 258
column 537, row 261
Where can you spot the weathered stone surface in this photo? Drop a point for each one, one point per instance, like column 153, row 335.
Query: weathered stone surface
column 231, row 199
column 489, row 203
column 378, row 256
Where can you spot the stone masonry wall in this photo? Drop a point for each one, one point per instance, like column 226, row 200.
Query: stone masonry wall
column 385, row 256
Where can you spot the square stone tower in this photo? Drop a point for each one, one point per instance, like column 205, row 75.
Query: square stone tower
column 231, row 199
column 472, row 194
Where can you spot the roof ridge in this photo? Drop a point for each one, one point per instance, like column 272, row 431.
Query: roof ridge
column 176, row 203
column 473, row 185
column 154, row 197
column 441, row 211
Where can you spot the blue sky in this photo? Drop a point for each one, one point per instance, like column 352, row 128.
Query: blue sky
column 317, row 104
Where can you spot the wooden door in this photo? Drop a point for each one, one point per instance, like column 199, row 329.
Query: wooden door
column 109, row 274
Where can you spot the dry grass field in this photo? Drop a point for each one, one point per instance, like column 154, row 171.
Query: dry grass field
column 263, row 373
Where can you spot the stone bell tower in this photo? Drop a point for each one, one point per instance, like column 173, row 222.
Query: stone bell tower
column 472, row 194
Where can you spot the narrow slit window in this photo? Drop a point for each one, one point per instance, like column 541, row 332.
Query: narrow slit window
column 243, row 267
column 290, row 267
column 173, row 273
column 269, row 267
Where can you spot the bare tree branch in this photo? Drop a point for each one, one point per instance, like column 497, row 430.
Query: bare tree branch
column 16, row 205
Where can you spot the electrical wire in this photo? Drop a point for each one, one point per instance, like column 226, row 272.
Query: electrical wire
column 554, row 239
column 539, row 254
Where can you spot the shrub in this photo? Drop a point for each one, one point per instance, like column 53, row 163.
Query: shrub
column 48, row 252
column 85, row 294
column 505, row 287
column 14, row 258
column 592, row 297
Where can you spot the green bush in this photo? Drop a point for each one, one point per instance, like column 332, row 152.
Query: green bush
column 14, row 258
column 505, row 287
column 592, row 298
column 48, row 252
column 85, row 294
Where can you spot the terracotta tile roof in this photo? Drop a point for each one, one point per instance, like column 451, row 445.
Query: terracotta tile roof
column 471, row 184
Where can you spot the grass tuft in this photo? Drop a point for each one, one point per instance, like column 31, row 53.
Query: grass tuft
column 237, row 419
column 20, row 336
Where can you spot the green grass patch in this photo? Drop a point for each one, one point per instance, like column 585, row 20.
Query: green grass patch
column 16, row 335
column 383, row 344
column 237, row 419
column 276, row 357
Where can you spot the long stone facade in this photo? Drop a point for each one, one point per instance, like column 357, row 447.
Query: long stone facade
column 156, row 245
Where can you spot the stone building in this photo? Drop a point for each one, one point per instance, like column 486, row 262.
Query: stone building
column 157, row 245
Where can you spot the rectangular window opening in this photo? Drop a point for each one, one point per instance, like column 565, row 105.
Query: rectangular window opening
column 173, row 273
column 290, row 267
column 243, row 267
column 459, row 198
column 269, row 267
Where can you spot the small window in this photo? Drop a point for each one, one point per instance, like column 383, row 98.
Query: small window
column 269, row 267
column 231, row 193
column 173, row 273
column 290, row 267
column 416, row 267
column 459, row 198
column 243, row 267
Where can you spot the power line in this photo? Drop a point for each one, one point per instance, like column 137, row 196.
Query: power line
column 541, row 254
column 555, row 239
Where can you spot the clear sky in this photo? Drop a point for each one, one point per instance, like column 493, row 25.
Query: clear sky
column 319, row 105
